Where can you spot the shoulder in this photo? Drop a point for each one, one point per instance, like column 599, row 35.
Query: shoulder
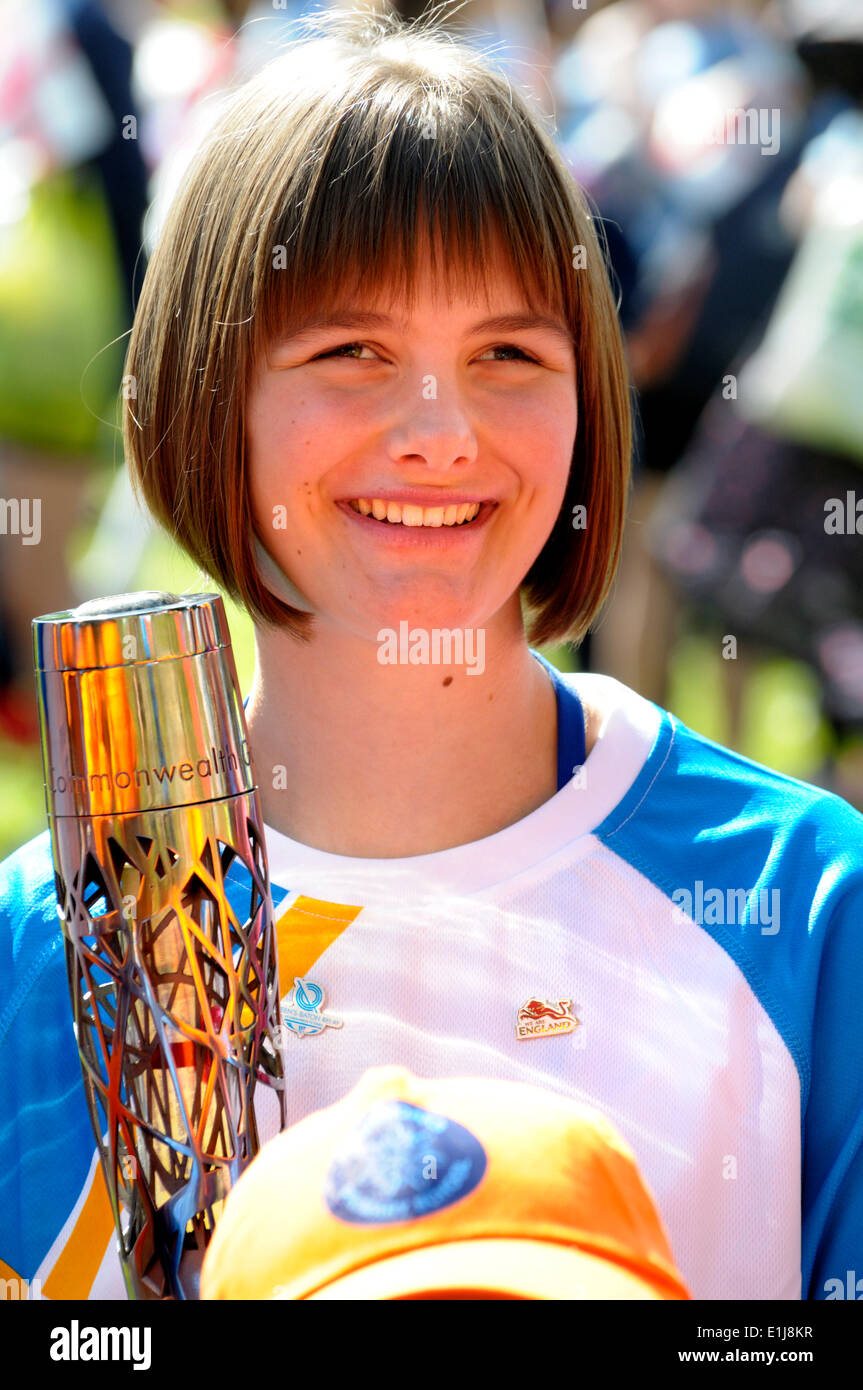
column 770, row 866
column 30, row 931
column 694, row 800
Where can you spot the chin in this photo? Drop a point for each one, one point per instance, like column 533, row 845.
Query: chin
column 419, row 605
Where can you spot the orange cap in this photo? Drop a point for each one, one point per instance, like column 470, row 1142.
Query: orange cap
column 408, row 1187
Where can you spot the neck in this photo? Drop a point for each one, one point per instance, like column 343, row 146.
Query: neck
column 387, row 761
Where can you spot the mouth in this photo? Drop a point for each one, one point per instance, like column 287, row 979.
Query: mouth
column 408, row 514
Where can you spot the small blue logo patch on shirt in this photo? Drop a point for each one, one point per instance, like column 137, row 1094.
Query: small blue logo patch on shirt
column 402, row 1162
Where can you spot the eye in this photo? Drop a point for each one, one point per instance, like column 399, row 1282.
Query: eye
column 342, row 349
column 352, row 348
column 510, row 347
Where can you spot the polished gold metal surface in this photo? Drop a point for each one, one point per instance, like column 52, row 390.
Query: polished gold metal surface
column 131, row 719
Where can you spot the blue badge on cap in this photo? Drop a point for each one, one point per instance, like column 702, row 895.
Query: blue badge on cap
column 401, row 1162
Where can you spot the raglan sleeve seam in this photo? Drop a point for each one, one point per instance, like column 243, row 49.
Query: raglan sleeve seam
column 851, row 900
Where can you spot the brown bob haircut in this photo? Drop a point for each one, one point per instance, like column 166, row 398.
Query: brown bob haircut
column 310, row 187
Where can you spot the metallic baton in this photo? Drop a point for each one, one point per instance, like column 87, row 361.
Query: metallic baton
column 163, row 889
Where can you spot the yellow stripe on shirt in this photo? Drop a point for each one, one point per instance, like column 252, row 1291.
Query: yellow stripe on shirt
column 307, row 929
column 79, row 1260
column 14, row 1286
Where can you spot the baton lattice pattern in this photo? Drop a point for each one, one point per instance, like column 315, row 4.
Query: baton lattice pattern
column 172, row 970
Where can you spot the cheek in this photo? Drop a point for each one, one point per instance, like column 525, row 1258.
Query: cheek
column 278, row 440
column 269, row 433
column 543, row 442
column 545, row 418
column 288, row 429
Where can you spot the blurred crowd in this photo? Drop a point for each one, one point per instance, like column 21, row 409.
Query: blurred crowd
column 721, row 145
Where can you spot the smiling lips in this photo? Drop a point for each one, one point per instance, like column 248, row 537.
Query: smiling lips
column 407, row 514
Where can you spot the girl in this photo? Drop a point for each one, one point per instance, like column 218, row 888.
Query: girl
column 381, row 398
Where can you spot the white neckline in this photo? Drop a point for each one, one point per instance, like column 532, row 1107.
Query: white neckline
column 629, row 729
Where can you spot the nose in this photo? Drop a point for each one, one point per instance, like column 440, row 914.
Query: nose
column 432, row 428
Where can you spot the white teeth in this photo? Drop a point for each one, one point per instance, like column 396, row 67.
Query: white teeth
column 409, row 514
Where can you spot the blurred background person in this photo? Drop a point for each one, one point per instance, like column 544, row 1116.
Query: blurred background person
column 83, row 129
column 749, row 526
column 654, row 124
column 73, row 196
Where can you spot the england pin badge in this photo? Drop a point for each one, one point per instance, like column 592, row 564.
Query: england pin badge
column 542, row 1018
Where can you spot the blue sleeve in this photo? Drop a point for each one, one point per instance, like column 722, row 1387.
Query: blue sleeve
column 700, row 810
column 833, row 1122
column 46, row 1143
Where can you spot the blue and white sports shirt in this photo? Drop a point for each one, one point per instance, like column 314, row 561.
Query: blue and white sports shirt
column 705, row 915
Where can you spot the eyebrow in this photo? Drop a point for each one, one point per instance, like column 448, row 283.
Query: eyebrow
column 367, row 318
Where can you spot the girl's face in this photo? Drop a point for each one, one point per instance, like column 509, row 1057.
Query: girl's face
column 415, row 419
